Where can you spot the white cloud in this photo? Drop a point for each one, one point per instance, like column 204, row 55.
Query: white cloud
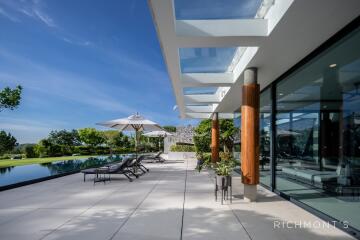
column 78, row 42
column 8, row 15
column 64, row 84
column 14, row 9
column 27, row 130
column 42, row 16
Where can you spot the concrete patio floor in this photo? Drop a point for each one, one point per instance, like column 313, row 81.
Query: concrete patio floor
column 172, row 201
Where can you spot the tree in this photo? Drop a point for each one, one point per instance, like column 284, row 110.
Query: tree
column 10, row 98
column 46, row 148
column 65, row 138
column 202, row 138
column 116, row 139
column 7, row 142
column 170, row 128
column 227, row 131
column 29, row 151
column 91, row 136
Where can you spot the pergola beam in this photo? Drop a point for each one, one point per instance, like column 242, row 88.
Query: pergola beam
column 201, row 98
column 222, row 27
column 200, row 109
column 207, row 79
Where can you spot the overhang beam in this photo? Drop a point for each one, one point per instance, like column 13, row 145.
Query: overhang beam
column 207, row 79
column 222, row 27
column 201, row 98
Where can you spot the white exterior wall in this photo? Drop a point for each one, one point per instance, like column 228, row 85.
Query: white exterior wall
column 181, row 155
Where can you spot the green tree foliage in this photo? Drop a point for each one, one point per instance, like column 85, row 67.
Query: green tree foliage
column 7, row 142
column 91, row 136
column 202, row 137
column 65, row 138
column 46, row 148
column 10, row 98
column 169, row 128
column 116, row 139
column 29, row 151
column 227, row 132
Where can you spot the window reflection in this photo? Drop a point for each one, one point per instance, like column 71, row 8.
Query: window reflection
column 318, row 132
column 265, row 108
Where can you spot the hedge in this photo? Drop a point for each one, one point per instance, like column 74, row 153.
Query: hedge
column 182, row 148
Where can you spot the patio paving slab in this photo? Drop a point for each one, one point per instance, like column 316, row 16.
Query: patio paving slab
column 172, row 201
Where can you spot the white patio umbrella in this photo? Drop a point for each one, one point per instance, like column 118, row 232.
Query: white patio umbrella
column 160, row 133
column 135, row 123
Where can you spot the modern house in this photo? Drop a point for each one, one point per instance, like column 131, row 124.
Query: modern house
column 288, row 73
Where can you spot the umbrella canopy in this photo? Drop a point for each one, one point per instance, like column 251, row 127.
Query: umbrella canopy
column 135, row 123
column 160, row 133
column 132, row 123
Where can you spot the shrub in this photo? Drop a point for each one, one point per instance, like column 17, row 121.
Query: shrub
column 102, row 150
column 5, row 156
column 83, row 150
column 202, row 143
column 120, row 150
column 17, row 156
column 30, row 151
column 182, row 148
column 226, row 156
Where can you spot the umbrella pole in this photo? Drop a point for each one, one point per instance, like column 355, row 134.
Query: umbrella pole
column 136, row 143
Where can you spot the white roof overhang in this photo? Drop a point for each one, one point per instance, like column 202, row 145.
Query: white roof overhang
column 287, row 32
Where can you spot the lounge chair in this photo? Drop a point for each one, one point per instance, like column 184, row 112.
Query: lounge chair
column 118, row 168
column 157, row 157
column 138, row 165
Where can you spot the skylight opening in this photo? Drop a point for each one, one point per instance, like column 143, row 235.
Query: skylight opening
column 206, row 60
column 199, row 90
column 215, row 9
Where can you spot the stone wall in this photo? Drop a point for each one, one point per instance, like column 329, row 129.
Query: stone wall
column 183, row 134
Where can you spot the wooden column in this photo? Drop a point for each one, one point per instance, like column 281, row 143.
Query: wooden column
column 215, row 138
column 250, row 128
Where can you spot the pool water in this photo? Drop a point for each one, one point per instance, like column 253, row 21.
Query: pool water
column 18, row 174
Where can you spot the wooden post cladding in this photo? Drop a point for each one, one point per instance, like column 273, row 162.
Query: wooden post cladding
column 215, row 138
column 250, row 134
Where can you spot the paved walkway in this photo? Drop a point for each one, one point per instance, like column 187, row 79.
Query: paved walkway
column 171, row 202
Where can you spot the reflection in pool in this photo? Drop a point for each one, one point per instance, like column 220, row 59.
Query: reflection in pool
column 18, row 174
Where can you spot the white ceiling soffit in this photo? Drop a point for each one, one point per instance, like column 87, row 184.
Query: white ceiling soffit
column 208, row 115
column 277, row 39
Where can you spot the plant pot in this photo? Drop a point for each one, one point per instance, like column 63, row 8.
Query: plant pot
column 223, row 181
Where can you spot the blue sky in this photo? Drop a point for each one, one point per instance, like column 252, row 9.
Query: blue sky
column 81, row 62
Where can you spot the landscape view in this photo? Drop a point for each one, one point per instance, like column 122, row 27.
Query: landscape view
column 179, row 119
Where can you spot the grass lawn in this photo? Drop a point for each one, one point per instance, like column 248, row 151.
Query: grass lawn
column 26, row 161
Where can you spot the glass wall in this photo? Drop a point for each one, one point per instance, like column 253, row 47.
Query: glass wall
column 237, row 124
column 265, row 118
column 318, row 132
column 317, row 142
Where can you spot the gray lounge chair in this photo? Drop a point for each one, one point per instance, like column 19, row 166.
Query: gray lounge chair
column 123, row 167
column 157, row 157
column 137, row 163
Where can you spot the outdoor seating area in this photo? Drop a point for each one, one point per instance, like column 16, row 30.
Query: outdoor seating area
column 172, row 201
column 129, row 167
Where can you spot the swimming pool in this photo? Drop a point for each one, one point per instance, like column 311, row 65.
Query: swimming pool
column 22, row 175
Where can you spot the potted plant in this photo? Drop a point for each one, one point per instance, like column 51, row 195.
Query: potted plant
column 223, row 170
